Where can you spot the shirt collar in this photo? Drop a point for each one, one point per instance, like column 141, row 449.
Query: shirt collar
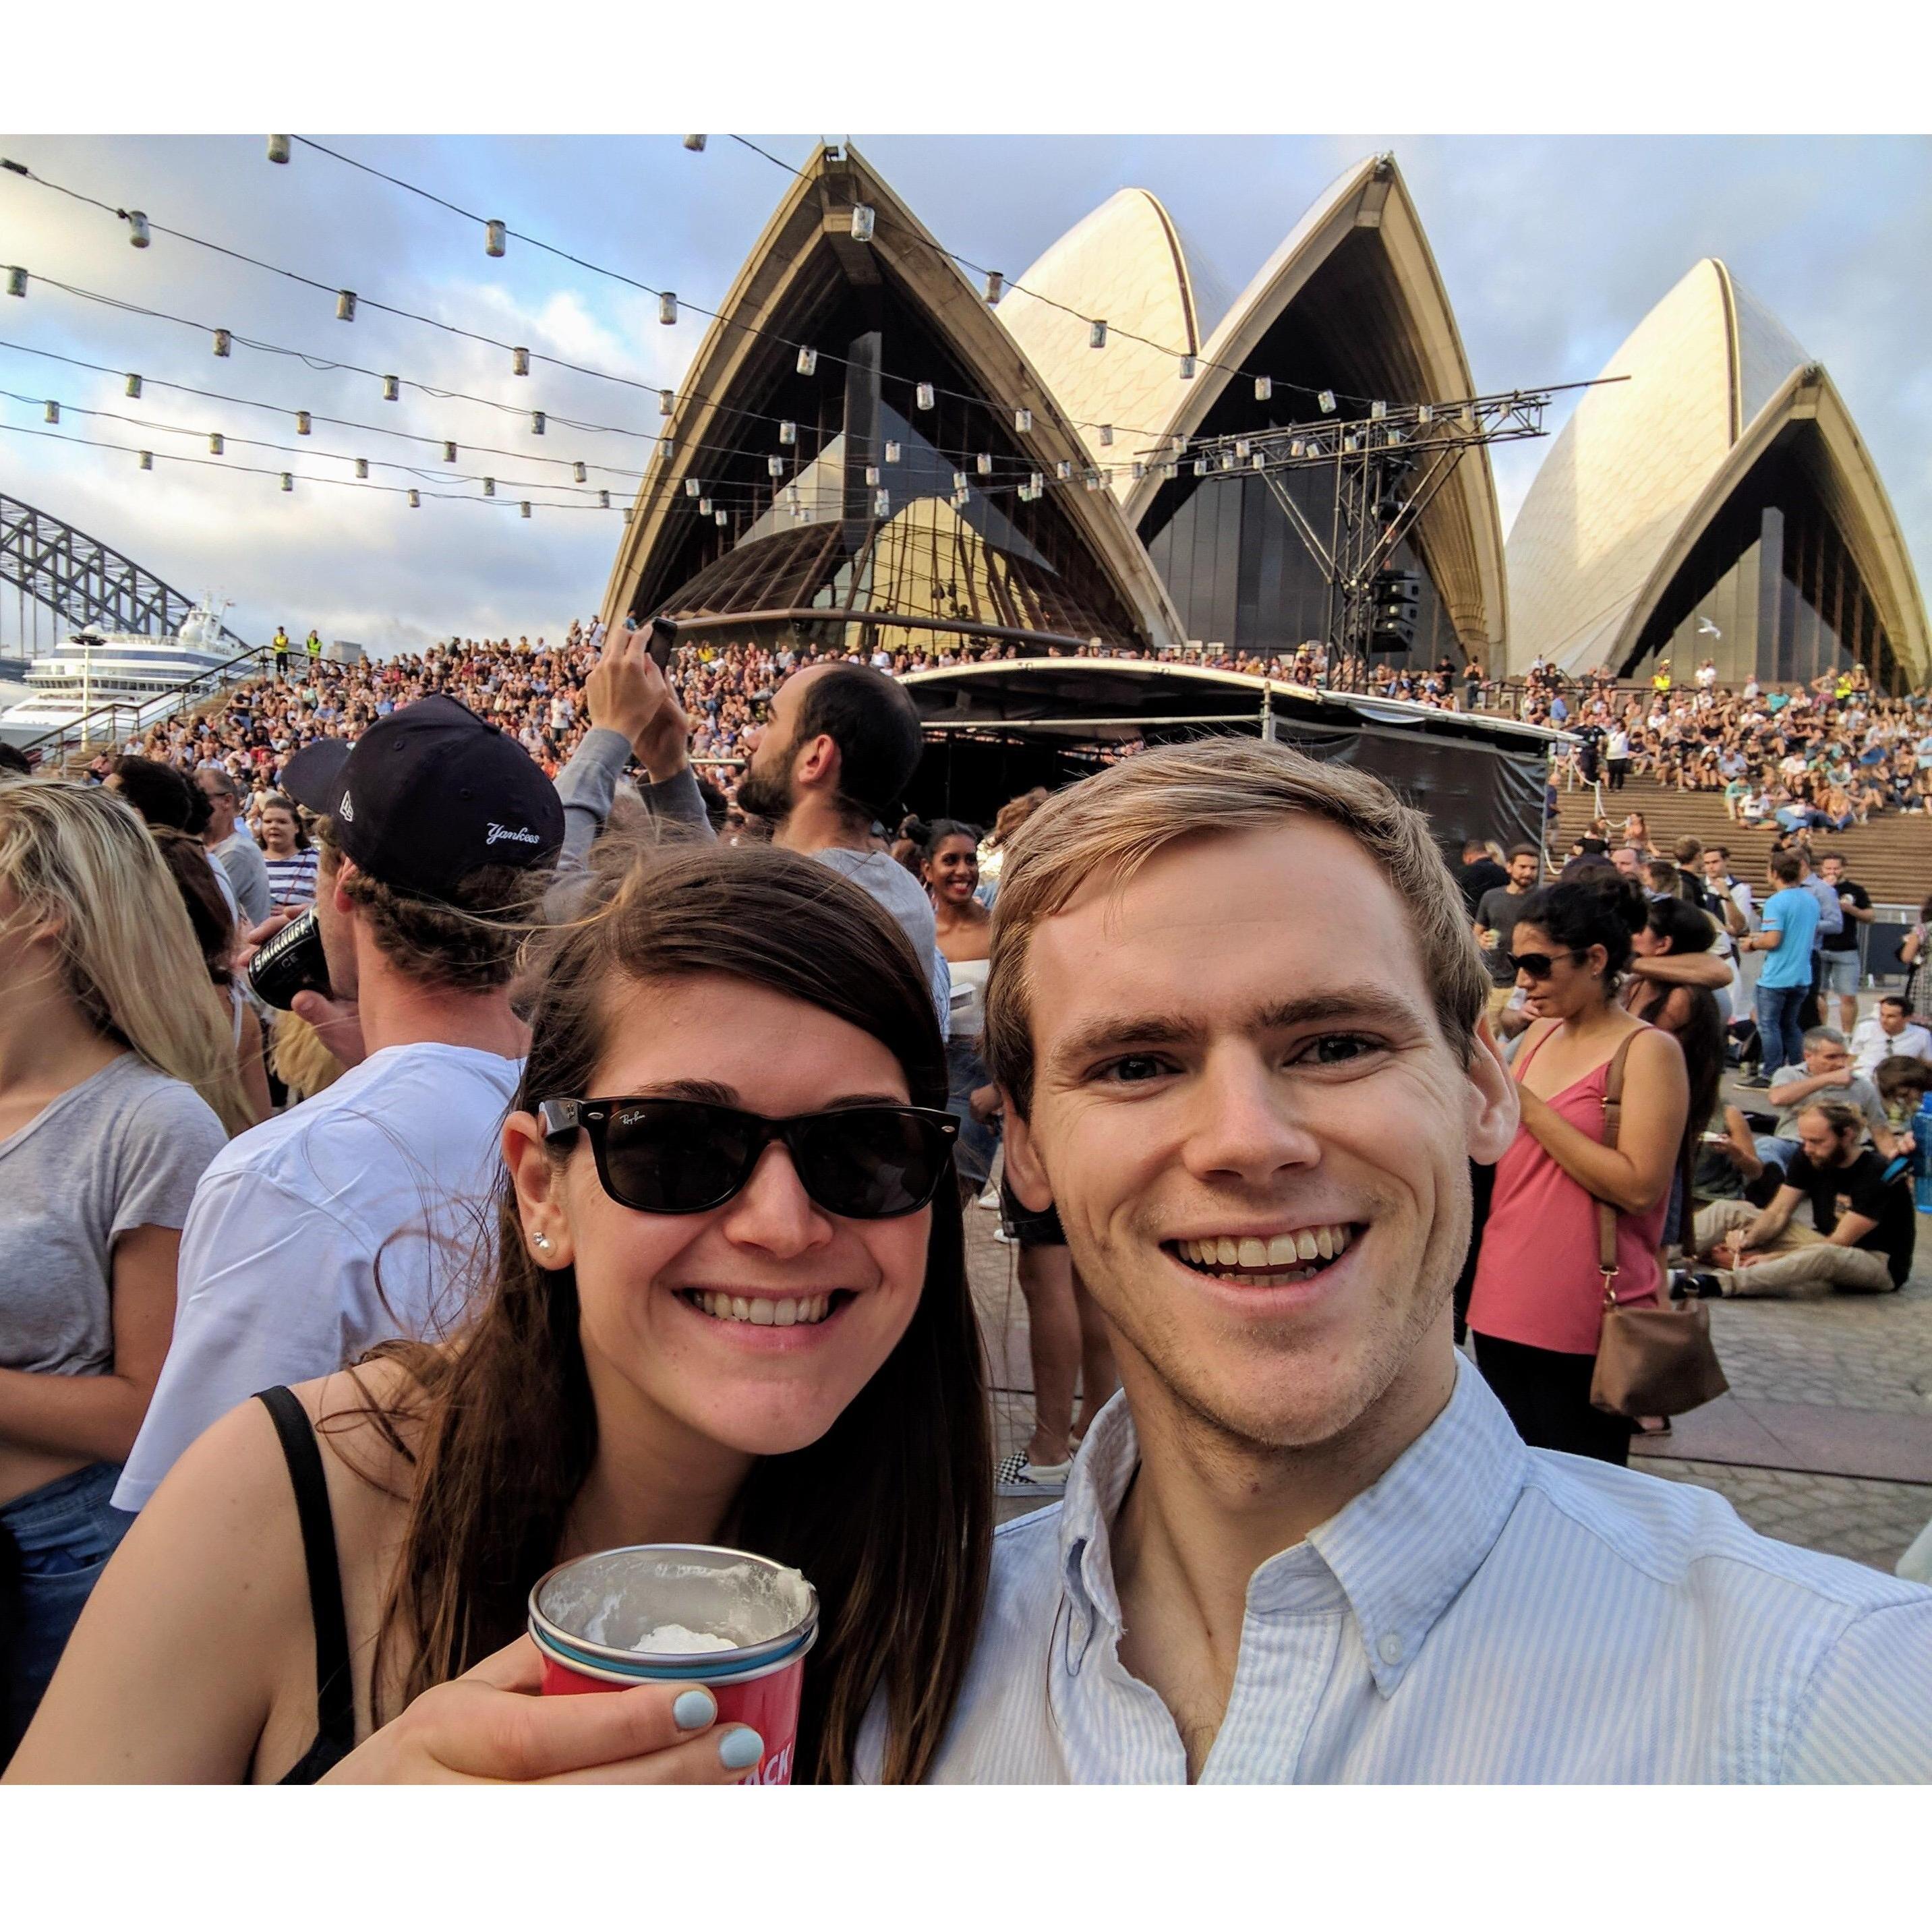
column 1401, row 1552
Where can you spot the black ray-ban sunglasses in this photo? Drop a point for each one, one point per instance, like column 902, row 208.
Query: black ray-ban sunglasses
column 684, row 1156
column 1538, row 965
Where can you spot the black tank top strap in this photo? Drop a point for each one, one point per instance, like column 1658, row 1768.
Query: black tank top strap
column 334, row 1685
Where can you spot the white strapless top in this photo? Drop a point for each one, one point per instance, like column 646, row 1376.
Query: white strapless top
column 969, row 998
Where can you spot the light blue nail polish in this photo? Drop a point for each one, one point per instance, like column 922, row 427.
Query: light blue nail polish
column 694, row 1710
column 739, row 1750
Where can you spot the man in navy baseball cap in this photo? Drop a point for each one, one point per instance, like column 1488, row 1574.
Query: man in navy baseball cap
column 428, row 796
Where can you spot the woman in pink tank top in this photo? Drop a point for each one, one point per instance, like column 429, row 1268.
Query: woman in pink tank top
column 1536, row 1306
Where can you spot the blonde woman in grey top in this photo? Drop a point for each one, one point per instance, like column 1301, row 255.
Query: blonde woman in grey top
column 108, row 1025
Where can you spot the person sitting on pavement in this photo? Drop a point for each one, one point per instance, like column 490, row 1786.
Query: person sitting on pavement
column 1890, row 1032
column 1827, row 1075
column 1864, row 1225
column 346, row 1222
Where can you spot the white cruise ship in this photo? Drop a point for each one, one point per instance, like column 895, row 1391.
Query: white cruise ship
column 130, row 670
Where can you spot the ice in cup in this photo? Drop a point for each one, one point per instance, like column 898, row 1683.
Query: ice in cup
column 684, row 1613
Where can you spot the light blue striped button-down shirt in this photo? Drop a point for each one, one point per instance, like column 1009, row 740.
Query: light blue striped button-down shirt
column 1485, row 1612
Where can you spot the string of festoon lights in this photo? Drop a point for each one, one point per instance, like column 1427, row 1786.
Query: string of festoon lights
column 988, row 471
column 225, row 341
column 141, row 228
column 147, row 458
column 55, row 408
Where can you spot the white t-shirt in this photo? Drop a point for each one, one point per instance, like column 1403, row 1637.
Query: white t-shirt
column 1871, row 1043
column 359, row 1216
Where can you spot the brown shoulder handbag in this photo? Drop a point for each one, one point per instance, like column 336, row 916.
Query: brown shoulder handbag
column 1650, row 1361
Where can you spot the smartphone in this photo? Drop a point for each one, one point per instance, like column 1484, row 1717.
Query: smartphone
column 663, row 642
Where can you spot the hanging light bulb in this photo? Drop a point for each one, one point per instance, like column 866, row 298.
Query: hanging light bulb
column 924, row 396
column 1259, row 460
column 627, row 515
column 1201, row 465
column 721, row 518
column 807, row 361
column 215, row 445
column 345, row 305
column 959, row 500
column 958, row 480
column 704, row 506
column 449, row 452
column 362, row 466
column 862, row 223
column 1348, row 446
column 695, row 142
column 1092, row 479
column 1227, row 462
column 1264, row 388
column 523, row 509
column 1424, row 416
column 415, row 500
column 1063, row 470
column 392, row 389
column 16, row 281
column 882, row 503
column 538, row 419
column 775, row 465
column 1295, row 447
column 666, row 401
column 494, row 237
column 1023, row 421
column 1242, row 448
column 224, row 343
column 1469, row 415
column 692, row 487
column 489, row 486
column 138, row 236
column 147, row 459
column 1140, row 470
column 892, row 452
column 1325, row 402
column 667, row 442
column 603, row 499
column 1392, row 436
column 1035, row 482
column 520, row 362
column 996, row 285
column 134, row 386
column 668, row 308
column 288, row 481
column 985, row 466
column 1378, row 411
column 871, row 476
column 53, row 413
column 577, row 470
column 788, row 433
column 278, row 149
column 1106, row 436
column 1187, row 368
column 1097, row 335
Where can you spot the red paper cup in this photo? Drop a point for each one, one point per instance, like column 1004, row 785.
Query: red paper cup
column 596, row 1619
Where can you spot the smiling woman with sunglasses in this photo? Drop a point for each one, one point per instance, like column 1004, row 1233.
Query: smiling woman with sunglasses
column 727, row 1305
column 1536, row 1307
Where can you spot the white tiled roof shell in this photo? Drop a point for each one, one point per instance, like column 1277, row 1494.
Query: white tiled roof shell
column 1633, row 460
column 1125, row 264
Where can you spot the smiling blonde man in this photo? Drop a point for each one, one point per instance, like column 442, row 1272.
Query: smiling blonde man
column 1236, row 1010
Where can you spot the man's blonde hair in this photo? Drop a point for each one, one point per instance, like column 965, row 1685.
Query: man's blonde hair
column 1112, row 824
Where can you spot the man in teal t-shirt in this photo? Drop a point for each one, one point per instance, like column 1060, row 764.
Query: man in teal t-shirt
column 1790, row 922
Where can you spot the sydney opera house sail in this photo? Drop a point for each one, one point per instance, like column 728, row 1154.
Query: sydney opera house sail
column 1351, row 303
column 1717, row 503
column 846, row 463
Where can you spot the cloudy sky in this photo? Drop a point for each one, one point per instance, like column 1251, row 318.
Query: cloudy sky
column 1552, row 248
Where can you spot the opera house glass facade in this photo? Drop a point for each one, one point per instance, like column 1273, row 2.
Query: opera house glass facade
column 869, row 450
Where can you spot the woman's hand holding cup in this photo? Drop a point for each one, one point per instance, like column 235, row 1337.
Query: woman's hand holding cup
column 492, row 1725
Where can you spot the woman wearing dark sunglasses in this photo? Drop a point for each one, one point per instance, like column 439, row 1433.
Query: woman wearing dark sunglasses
column 1536, row 1307
column 727, row 1304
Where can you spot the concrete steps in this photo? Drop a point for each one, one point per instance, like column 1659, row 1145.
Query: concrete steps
column 1890, row 857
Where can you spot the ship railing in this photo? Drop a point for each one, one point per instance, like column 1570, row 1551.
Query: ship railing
column 108, row 724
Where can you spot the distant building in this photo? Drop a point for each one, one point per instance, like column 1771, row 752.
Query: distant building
column 1718, row 504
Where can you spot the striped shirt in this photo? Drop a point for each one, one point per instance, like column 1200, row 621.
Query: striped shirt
column 1484, row 1613
column 291, row 880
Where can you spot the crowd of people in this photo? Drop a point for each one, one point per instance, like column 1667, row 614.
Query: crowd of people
column 1817, row 757
column 629, row 1208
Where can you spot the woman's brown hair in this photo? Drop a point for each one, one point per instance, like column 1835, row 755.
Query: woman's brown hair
column 888, row 1514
